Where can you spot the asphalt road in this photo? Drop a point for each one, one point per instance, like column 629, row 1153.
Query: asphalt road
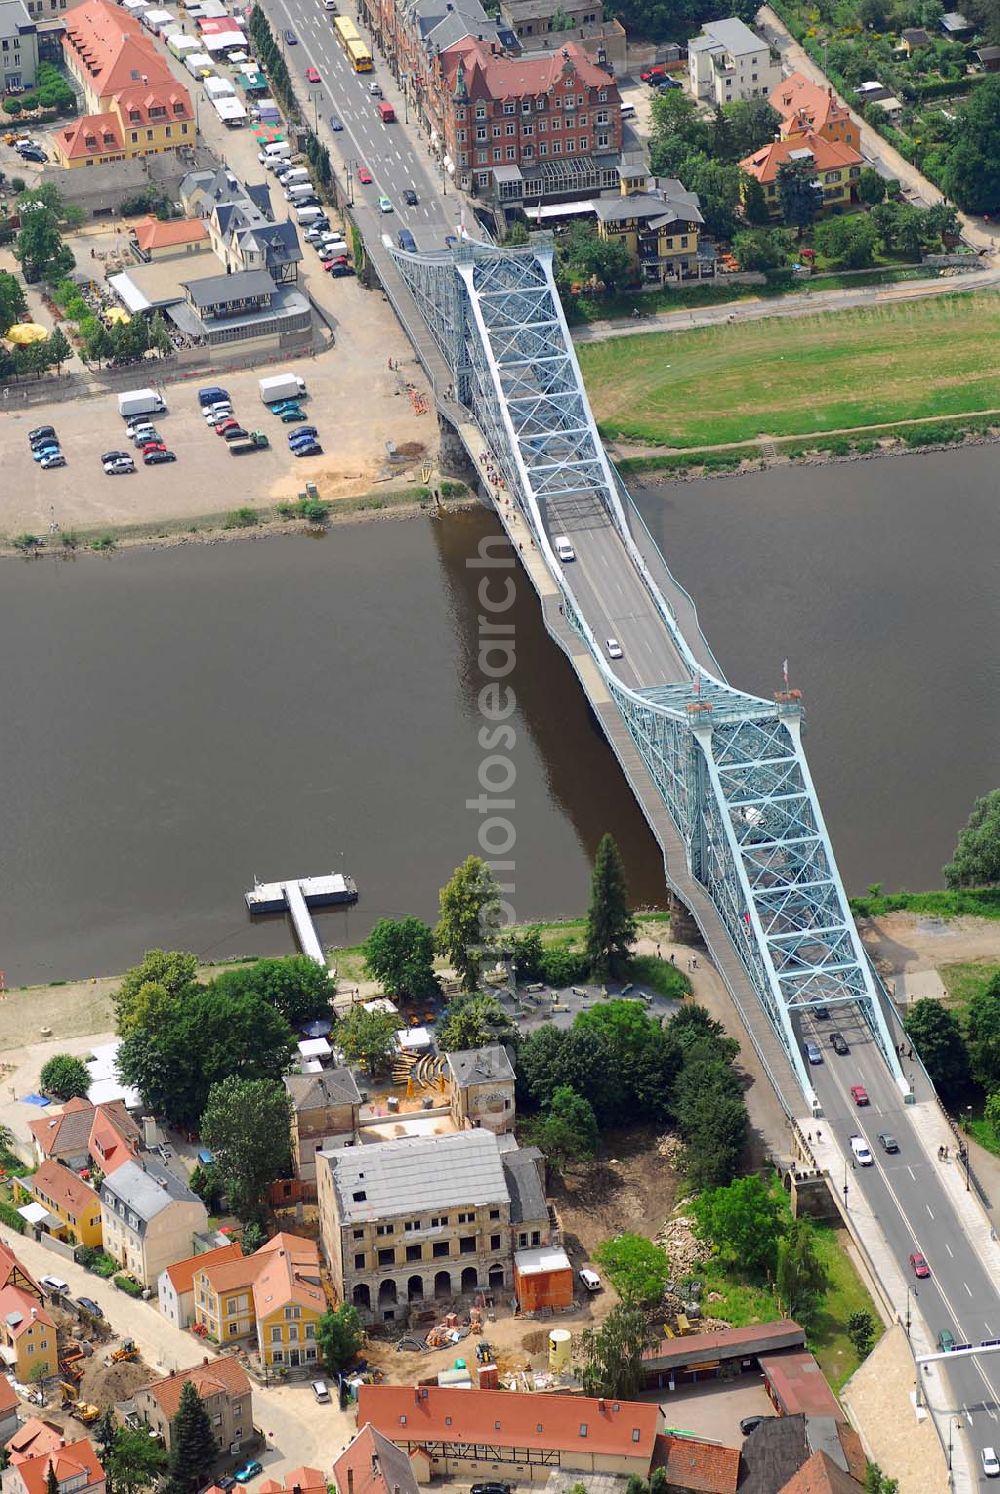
column 393, row 153
column 905, row 1193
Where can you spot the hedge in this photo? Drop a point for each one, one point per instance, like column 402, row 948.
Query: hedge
column 10, row 1217
column 128, row 1286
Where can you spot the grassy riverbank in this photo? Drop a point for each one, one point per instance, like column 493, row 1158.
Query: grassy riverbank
column 962, row 902
column 788, row 377
column 240, row 523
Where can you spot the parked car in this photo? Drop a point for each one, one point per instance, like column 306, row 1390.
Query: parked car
column 838, row 1043
column 89, row 1305
column 39, row 453
column 920, row 1266
column 213, row 394
column 312, row 75
column 39, row 432
column 887, row 1143
column 54, row 1284
column 409, row 197
column 281, row 405
column 335, row 124
column 614, row 648
column 494, row 1487
column 859, row 1094
column 321, row 1390
column 654, row 76
column 751, row 1423
column 32, row 153
column 812, row 1053
column 666, row 85
column 225, row 1483
column 337, row 271
column 364, row 176
column 248, row 1471
column 224, row 426
column 52, row 459
column 236, row 433
column 292, row 416
column 120, row 467
column 157, row 458
column 315, row 449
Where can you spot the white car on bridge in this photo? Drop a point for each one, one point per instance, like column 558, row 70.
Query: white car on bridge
column 862, row 1151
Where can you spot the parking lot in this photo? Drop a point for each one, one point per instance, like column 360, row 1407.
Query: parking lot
column 714, row 1410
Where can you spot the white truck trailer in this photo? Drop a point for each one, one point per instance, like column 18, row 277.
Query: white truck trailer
column 281, row 386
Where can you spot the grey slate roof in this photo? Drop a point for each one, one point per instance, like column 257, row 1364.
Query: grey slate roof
column 732, row 34
column 323, row 1091
column 146, row 1188
column 278, row 242
column 216, row 288
column 480, row 1065
column 417, row 1175
column 527, row 1197
column 773, row 1452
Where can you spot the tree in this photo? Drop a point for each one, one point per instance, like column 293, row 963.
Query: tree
column 368, row 1038
column 613, row 1354
column 848, row 241
column 712, row 1117
column 13, row 302
column 861, row 1330
column 59, row 349
column 760, row 248
column 982, row 1028
column 470, row 918
column 611, row 929
column 799, row 193
column 755, row 209
column 799, row 1277
column 105, row 1434
column 51, row 1479
column 399, row 952
column 972, row 169
column 474, row 1022
column 752, row 123
column 136, row 1461
column 638, row 1269
column 171, row 970
column 935, row 1034
column 743, row 1221
column 876, row 1482
column 340, row 1334
column 65, row 1077
column 296, row 986
column 193, row 1448
column 976, row 862
column 583, row 254
column 247, row 1126
column 718, row 186
column 527, row 955
column 721, row 138
column 39, row 247
column 679, row 132
column 871, row 186
column 567, row 1131
column 253, row 1238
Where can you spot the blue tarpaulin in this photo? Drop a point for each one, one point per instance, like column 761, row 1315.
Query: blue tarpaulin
column 35, row 1100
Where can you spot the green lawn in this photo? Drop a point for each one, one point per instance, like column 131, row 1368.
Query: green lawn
column 787, row 377
column 964, row 980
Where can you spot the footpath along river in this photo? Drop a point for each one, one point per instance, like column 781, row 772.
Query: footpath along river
column 175, row 722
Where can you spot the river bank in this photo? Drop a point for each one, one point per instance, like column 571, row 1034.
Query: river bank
column 237, row 524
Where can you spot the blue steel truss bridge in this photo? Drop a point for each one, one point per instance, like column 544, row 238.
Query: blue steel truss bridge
column 720, row 775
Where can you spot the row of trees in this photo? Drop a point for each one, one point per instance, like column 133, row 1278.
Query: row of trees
column 39, row 246
column 51, row 91
column 704, row 153
column 272, row 60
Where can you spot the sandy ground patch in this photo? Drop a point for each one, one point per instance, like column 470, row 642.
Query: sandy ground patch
column 912, row 941
column 878, row 1398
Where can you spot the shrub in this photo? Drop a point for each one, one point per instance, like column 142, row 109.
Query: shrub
column 103, row 1265
column 65, row 1076
column 241, row 518
column 12, row 107
column 560, row 966
column 453, row 489
column 127, row 1285
column 103, row 542
column 10, row 1217
column 26, row 542
column 313, row 510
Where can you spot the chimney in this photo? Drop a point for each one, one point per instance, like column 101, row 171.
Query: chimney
column 205, row 1359
column 350, row 1481
column 376, row 1467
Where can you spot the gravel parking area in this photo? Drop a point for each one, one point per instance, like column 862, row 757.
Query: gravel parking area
column 714, row 1410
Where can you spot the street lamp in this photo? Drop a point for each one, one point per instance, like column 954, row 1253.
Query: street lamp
column 967, row 1118
column 845, row 1185
column 963, row 1156
column 951, row 1424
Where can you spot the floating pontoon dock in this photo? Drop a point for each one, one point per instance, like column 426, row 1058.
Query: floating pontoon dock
column 298, row 895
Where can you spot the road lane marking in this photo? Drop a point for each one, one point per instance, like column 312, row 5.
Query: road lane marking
column 967, row 1287
column 928, row 1208
column 911, row 1172
column 949, row 1249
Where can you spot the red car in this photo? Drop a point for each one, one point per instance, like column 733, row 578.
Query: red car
column 653, row 75
column 920, row 1266
column 859, row 1094
column 364, row 176
column 312, row 75
column 153, row 446
column 340, row 259
column 226, row 425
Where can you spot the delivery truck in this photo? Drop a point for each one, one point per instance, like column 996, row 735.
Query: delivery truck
column 140, row 402
column 277, row 387
column 386, row 113
column 256, row 441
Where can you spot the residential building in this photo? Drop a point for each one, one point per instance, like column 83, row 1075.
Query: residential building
column 482, row 1087
column 912, row 39
column 73, row 1207
column 460, row 1434
column 33, row 1438
column 539, row 127
column 837, row 169
column 371, row 1464
column 956, row 26
column 74, row 1468
column 153, row 239
column 149, row 1218
column 274, row 1295
column 988, row 59
column 18, row 47
column 324, row 1106
column 728, row 62
column 240, row 224
column 661, row 227
column 82, row 1133
column 701, row 1467
column 805, row 107
column 175, row 1288
column 27, row 1333
column 781, row 1447
column 9, row 1407
column 415, row 1218
column 297, row 1481
column 135, row 105
column 224, row 1388
column 524, row 1174
column 549, row 23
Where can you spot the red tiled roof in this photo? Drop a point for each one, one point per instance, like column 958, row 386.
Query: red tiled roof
column 13, row 1273
column 290, row 1274
column 65, row 1190
column 309, row 1480
column 509, row 1418
column 69, row 1463
column 33, row 1438
column 798, row 95
column 376, row 1466
column 702, row 1467
column 114, row 1135
column 828, row 155
column 66, row 1133
column 223, row 1375
column 14, row 1300
column 181, row 1273
column 531, row 76
column 8, row 1395
column 820, row 1475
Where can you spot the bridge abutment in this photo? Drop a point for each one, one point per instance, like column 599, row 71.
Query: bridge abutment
column 454, row 460
column 683, row 925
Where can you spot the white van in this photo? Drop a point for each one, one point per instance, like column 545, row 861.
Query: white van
column 298, row 190
column 277, row 150
column 563, row 548
column 296, row 174
column 627, row 111
column 307, row 215
column 590, row 1279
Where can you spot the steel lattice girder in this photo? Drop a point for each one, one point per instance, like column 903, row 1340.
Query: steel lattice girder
column 733, row 777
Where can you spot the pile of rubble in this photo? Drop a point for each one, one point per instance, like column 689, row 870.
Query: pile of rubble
column 684, row 1251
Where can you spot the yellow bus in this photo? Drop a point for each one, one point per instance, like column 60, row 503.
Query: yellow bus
column 350, row 39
